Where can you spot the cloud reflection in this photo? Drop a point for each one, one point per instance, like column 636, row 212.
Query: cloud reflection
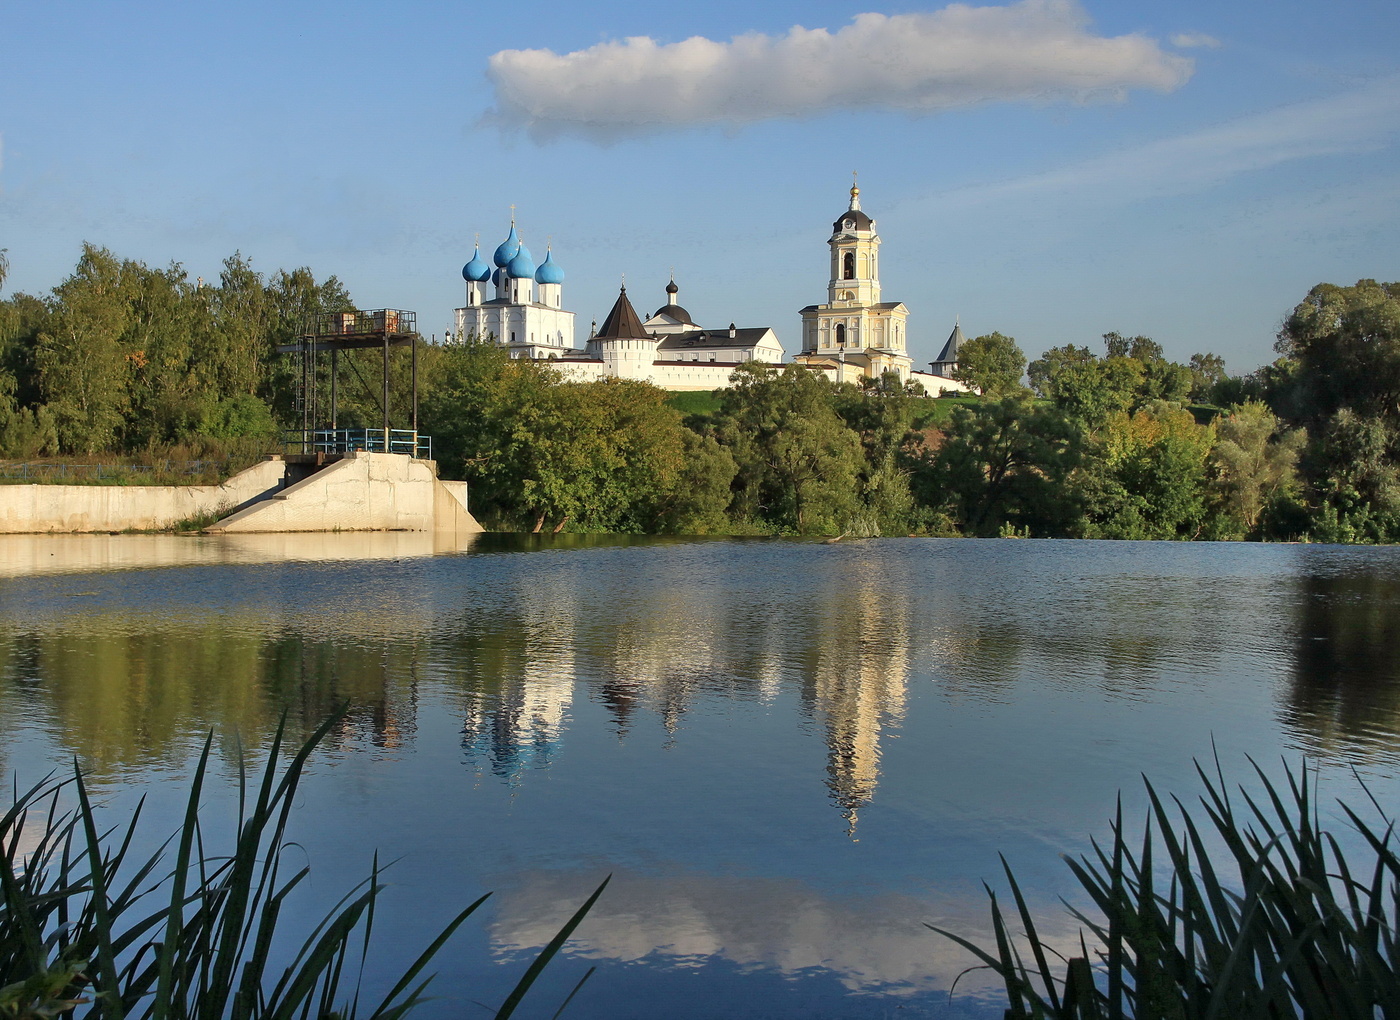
column 872, row 944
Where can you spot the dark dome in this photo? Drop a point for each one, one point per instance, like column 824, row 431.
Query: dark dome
column 859, row 220
column 671, row 288
column 676, row 312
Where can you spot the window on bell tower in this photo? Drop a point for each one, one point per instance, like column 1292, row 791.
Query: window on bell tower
column 840, row 334
column 848, row 266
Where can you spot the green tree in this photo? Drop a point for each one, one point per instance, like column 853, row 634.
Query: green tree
column 81, row 362
column 1253, row 464
column 699, row 503
column 992, row 364
column 1005, row 463
column 1356, row 483
column 1345, row 343
column 1043, row 370
column 798, row 462
column 1089, row 391
column 1207, row 373
column 606, row 456
column 1148, row 475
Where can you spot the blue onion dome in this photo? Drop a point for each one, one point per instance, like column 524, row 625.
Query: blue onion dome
column 522, row 267
column 476, row 271
column 498, row 277
column 508, row 248
column 549, row 271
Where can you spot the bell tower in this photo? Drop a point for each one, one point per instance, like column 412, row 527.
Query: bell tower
column 855, row 335
column 855, row 257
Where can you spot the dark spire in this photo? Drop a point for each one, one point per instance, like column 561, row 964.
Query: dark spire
column 623, row 322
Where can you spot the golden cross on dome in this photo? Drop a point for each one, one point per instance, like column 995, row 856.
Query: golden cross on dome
column 512, row 214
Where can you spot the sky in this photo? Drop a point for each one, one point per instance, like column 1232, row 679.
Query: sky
column 1049, row 169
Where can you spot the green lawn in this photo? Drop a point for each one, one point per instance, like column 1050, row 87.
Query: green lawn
column 694, row 402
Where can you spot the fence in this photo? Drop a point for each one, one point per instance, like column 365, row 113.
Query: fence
column 407, row 441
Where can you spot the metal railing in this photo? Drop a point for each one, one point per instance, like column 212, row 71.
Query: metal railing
column 405, row 441
column 365, row 321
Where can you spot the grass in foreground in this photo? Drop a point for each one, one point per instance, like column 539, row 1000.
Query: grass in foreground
column 83, row 924
column 1288, row 925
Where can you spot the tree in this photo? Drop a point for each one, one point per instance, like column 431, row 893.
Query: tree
column 1088, row 392
column 1042, row 371
column 1253, row 463
column 1207, row 372
column 604, row 456
column 882, row 412
column 1355, row 480
column 1005, row 463
column 1148, row 478
column 798, row 463
column 992, row 364
column 82, row 364
column 1345, row 342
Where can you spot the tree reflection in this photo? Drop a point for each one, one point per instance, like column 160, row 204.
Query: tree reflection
column 1345, row 685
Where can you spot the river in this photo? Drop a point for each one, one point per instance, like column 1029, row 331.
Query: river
column 789, row 754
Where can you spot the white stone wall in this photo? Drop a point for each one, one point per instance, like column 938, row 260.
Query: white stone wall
column 362, row 492
column 30, row 509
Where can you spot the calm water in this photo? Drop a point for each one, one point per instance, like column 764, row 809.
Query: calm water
column 790, row 755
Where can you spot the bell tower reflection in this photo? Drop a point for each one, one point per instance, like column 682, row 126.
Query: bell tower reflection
column 858, row 681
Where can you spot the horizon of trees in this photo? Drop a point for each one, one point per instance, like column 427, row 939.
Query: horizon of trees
column 122, row 358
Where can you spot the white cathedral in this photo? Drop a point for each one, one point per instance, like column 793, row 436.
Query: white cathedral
column 852, row 337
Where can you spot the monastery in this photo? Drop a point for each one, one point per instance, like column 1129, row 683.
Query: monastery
column 853, row 336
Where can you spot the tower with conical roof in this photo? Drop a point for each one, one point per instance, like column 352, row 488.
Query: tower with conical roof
column 947, row 361
column 623, row 344
column 854, row 334
column 526, row 310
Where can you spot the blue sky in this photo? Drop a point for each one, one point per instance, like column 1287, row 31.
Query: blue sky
column 1048, row 169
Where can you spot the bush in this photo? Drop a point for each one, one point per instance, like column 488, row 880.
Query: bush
column 1304, row 930
column 82, row 923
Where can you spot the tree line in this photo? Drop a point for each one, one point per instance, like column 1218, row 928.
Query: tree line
column 121, row 358
column 1119, row 442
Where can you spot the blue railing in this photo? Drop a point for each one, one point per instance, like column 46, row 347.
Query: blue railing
column 405, row 441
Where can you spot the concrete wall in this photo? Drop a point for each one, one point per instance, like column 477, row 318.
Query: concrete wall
column 362, row 492
column 38, row 509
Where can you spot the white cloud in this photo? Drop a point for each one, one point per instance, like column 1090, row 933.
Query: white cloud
column 1031, row 51
column 1363, row 120
column 1191, row 40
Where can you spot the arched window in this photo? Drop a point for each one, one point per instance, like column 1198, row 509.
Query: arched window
column 848, row 269
column 840, row 334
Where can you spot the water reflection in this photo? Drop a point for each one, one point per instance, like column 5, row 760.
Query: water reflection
column 872, row 944
column 28, row 555
column 792, row 754
column 1345, row 684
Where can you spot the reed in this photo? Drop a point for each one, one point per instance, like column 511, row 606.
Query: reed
column 88, row 927
column 1287, row 924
